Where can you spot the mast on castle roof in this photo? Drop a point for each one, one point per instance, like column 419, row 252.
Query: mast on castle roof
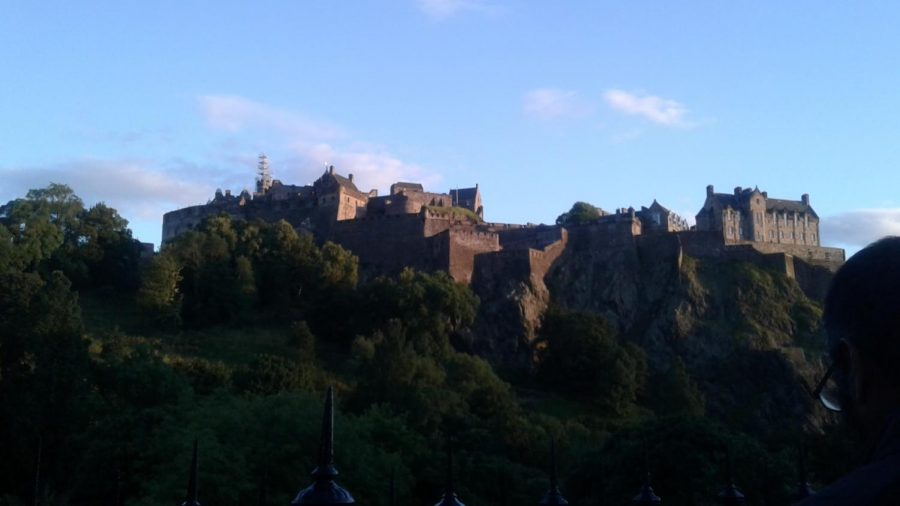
column 263, row 174
column 324, row 491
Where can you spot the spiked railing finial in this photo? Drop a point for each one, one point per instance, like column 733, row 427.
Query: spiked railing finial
column 553, row 495
column 191, row 498
column 324, row 491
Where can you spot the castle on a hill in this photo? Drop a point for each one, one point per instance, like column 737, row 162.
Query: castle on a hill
column 446, row 231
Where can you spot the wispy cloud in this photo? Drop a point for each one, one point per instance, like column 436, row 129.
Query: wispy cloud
column 443, row 9
column 305, row 146
column 855, row 229
column 141, row 190
column 234, row 114
column 131, row 186
column 658, row 110
column 372, row 167
column 553, row 103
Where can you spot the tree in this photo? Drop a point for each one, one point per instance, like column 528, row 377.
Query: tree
column 579, row 355
column 431, row 307
column 675, row 393
column 581, row 213
column 159, row 294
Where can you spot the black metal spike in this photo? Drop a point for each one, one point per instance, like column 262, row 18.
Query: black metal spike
column 262, row 496
column 391, row 490
column 325, row 465
column 449, row 498
column 646, row 494
column 730, row 495
column 553, row 495
column 804, row 489
column 324, row 491
column 37, row 471
column 191, row 497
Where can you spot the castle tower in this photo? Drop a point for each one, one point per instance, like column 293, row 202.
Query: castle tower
column 263, row 175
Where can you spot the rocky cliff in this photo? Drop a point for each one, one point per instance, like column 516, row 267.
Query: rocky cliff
column 747, row 332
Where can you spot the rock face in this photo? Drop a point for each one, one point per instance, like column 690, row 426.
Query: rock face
column 747, row 332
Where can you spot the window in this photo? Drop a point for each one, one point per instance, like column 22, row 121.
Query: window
column 771, row 234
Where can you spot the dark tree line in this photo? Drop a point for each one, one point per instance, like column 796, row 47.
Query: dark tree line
column 239, row 327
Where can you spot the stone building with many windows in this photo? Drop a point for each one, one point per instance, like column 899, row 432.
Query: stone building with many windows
column 749, row 215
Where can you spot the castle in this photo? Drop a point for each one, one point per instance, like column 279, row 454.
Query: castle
column 446, row 231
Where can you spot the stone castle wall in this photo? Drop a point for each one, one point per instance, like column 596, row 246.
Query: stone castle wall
column 813, row 254
column 523, row 237
column 386, row 243
column 464, row 244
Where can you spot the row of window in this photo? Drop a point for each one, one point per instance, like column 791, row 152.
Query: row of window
column 789, row 235
column 774, row 219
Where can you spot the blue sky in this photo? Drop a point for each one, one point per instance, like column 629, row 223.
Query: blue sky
column 150, row 106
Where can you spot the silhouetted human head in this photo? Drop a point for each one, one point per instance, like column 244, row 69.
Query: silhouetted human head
column 862, row 320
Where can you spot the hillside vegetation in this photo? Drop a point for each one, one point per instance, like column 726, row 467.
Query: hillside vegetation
column 111, row 365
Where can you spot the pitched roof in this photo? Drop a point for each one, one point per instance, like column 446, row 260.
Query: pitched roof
column 791, row 206
column 344, row 182
column 727, row 199
column 656, row 206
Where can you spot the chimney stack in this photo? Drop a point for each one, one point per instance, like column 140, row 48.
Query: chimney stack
column 805, row 199
column 350, row 177
column 710, row 190
column 738, row 190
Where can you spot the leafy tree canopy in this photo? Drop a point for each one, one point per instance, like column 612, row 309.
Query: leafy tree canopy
column 581, row 213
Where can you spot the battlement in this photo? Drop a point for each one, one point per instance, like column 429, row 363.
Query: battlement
column 446, row 231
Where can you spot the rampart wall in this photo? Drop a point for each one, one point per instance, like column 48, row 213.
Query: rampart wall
column 814, row 254
column 521, row 237
column 602, row 234
column 463, row 247
column 386, row 243
column 811, row 271
column 541, row 260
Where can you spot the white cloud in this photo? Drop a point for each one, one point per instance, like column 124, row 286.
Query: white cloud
column 372, row 168
column 855, row 229
column 552, row 103
column 236, row 114
column 124, row 184
column 300, row 148
column 442, row 9
column 141, row 191
column 661, row 111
